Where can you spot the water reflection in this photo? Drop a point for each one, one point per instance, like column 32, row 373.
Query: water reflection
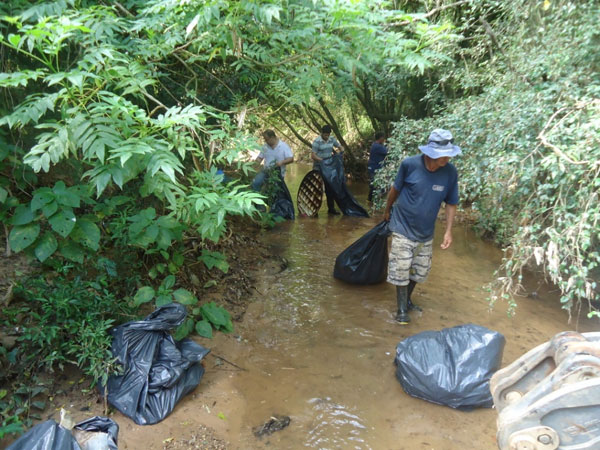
column 334, row 426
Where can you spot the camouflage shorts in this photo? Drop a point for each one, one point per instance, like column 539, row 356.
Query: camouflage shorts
column 409, row 260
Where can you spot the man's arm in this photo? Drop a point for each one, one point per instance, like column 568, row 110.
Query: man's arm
column 392, row 196
column 337, row 145
column 450, row 213
column 285, row 161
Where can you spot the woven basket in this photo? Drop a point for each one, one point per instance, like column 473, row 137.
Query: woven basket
column 310, row 194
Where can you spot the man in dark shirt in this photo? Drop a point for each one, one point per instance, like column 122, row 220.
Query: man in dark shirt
column 377, row 154
column 423, row 182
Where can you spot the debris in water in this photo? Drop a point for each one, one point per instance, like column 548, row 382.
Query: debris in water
column 275, row 423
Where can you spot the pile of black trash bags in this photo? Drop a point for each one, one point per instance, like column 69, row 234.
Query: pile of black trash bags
column 157, row 373
column 97, row 433
column 450, row 367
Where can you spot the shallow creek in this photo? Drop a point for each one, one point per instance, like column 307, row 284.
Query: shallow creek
column 321, row 351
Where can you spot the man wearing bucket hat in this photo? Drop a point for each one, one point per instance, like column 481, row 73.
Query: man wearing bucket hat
column 423, row 182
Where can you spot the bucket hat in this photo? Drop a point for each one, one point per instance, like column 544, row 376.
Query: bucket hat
column 440, row 144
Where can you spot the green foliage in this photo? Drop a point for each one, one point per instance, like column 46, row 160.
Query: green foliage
column 21, row 407
column 200, row 318
column 60, row 321
column 64, row 322
column 530, row 141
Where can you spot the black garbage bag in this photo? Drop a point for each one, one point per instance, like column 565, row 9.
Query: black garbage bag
column 48, row 435
column 450, row 367
column 279, row 197
column 158, row 371
column 97, row 432
column 366, row 260
column 282, row 205
column 332, row 170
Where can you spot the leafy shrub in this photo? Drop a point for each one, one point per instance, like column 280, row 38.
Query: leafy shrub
column 531, row 146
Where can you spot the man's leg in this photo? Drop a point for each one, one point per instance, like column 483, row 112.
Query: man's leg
column 330, row 200
column 258, row 181
column 371, row 177
column 419, row 269
column 402, row 302
column 411, row 305
column 400, row 261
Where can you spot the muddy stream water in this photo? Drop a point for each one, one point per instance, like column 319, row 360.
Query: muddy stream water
column 321, row 351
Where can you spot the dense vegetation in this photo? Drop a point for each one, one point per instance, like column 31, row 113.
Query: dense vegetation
column 126, row 132
column 527, row 112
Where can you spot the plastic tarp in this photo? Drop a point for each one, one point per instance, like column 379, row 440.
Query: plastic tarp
column 157, row 371
column 282, row 204
column 450, row 367
column 48, row 435
column 332, row 170
column 97, row 433
column 366, row 260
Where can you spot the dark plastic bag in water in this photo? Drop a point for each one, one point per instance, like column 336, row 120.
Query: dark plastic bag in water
column 46, row 436
column 158, row 371
column 450, row 367
column 97, row 433
column 332, row 171
column 366, row 260
column 282, row 204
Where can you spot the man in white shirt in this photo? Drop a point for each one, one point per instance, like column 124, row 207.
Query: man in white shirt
column 275, row 152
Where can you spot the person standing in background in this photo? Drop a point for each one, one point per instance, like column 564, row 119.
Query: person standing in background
column 322, row 148
column 275, row 152
column 377, row 154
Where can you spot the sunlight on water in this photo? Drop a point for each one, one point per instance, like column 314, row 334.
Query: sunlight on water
column 334, row 426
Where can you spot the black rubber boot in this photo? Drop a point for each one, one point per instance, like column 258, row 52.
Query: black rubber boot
column 411, row 305
column 402, row 300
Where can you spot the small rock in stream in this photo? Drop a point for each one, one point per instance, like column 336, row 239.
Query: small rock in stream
column 275, row 423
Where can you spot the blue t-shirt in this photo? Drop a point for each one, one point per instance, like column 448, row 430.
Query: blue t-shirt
column 377, row 154
column 421, row 194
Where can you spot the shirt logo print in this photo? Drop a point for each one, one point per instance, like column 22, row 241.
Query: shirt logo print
column 437, row 187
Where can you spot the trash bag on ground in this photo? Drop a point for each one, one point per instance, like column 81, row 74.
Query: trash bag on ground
column 366, row 260
column 157, row 371
column 332, row 170
column 450, row 367
column 97, row 433
column 48, row 435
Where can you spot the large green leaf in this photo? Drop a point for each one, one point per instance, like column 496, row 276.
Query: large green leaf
column 3, row 194
column 63, row 222
column 217, row 315
column 41, row 197
column 22, row 215
column 185, row 297
column 204, row 329
column 72, row 251
column 66, row 197
column 143, row 295
column 46, row 246
column 163, row 300
column 87, row 233
column 184, row 329
column 50, row 208
column 22, row 236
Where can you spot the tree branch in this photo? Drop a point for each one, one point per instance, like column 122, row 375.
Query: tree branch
column 294, row 131
column 429, row 14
